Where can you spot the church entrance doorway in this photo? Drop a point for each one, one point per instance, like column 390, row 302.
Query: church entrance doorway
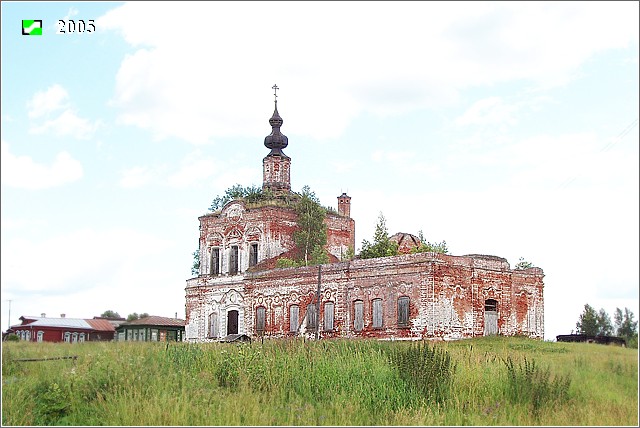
column 232, row 322
column 490, row 317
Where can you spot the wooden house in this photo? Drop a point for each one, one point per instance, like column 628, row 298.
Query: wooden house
column 151, row 329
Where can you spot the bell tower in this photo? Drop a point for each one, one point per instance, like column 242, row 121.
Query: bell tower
column 276, row 166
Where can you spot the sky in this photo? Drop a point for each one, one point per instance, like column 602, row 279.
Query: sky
column 502, row 128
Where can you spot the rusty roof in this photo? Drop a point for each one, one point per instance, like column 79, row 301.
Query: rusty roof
column 155, row 320
column 101, row 325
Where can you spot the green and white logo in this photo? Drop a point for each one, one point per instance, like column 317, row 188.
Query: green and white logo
column 32, row 27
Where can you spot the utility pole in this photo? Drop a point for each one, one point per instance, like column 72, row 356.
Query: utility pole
column 318, row 303
column 9, row 314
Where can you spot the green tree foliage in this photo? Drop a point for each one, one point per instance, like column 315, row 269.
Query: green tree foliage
column 110, row 314
column 382, row 246
column 523, row 264
column 428, row 247
column 311, row 235
column 594, row 323
column 134, row 316
column 626, row 327
column 588, row 321
column 604, row 323
column 195, row 268
column 249, row 194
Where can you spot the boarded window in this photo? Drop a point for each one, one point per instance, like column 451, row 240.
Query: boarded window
column 377, row 313
column 260, row 319
column 403, row 311
column 294, row 312
column 328, row 316
column 358, row 312
column 213, row 325
column 215, row 261
column 233, row 260
column 253, row 255
column 312, row 316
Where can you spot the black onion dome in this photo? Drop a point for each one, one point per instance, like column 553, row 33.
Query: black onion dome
column 276, row 141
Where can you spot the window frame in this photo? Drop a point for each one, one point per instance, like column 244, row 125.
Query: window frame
column 330, row 318
column 358, row 315
column 261, row 320
column 377, row 313
column 403, row 313
column 292, row 318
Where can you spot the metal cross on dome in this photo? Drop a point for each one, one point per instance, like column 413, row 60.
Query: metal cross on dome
column 275, row 91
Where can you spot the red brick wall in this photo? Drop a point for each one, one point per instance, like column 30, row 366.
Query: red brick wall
column 447, row 296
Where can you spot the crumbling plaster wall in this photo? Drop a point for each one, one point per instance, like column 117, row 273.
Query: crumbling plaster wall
column 447, row 296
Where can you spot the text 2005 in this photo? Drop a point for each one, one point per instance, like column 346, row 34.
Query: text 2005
column 76, row 26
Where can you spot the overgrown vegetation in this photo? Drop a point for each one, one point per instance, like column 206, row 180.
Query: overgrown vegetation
column 382, row 246
column 598, row 323
column 483, row 381
column 523, row 264
column 428, row 247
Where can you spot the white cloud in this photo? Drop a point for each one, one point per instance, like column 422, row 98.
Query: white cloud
column 68, row 123
column 24, row 173
column 136, row 177
column 56, row 115
column 46, row 102
column 403, row 56
column 488, row 111
column 105, row 269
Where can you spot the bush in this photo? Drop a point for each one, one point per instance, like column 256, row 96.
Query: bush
column 530, row 384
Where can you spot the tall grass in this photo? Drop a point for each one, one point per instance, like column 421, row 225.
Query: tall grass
column 485, row 381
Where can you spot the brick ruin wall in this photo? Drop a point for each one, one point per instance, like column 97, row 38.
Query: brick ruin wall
column 447, row 297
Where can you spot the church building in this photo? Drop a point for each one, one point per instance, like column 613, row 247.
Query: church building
column 238, row 289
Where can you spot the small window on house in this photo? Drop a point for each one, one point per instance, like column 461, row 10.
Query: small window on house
column 67, row 336
column 403, row 311
column 40, row 336
column 377, row 313
column 74, row 338
column 358, row 312
column 213, row 325
column 142, row 335
column 27, row 335
column 260, row 319
column 81, row 338
column 312, row 316
column 233, row 260
column 328, row 316
column 214, row 269
column 253, row 255
column 294, row 312
column 154, row 335
column 491, row 305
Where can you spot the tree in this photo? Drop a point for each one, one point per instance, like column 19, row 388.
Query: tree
column 523, row 264
column 311, row 235
column 134, row 316
column 110, row 314
column 195, row 268
column 250, row 194
column 626, row 327
column 428, row 247
column 382, row 246
column 604, row 324
column 588, row 321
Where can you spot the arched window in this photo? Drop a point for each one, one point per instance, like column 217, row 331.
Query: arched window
column 253, row 254
column 214, row 268
column 329, row 309
column 358, row 315
column 294, row 312
column 213, row 325
column 403, row 311
column 260, row 319
column 377, row 313
column 312, row 316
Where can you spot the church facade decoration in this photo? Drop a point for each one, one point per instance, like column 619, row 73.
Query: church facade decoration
column 410, row 296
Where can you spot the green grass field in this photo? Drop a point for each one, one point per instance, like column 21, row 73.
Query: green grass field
column 483, row 381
